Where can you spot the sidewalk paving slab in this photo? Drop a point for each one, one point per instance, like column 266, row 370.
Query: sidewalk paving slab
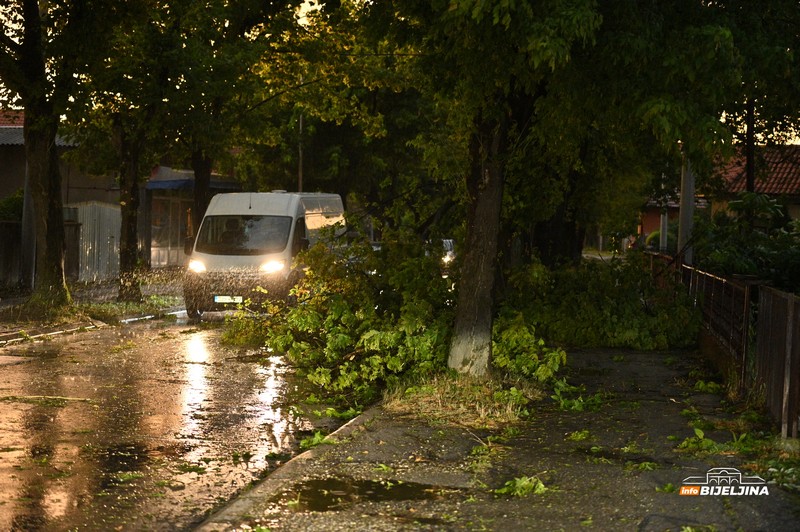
column 615, row 468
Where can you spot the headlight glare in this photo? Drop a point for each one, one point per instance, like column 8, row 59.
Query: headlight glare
column 273, row 266
column 196, row 266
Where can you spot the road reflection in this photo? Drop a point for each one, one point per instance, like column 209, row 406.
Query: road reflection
column 195, row 391
column 148, row 426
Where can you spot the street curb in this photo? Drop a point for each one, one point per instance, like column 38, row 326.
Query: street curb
column 17, row 335
column 231, row 516
column 21, row 335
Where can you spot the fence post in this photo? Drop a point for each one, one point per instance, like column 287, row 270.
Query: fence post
column 745, row 339
column 786, row 423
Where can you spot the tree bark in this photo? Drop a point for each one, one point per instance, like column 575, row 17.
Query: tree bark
column 471, row 346
column 130, row 151
column 40, row 129
column 201, row 164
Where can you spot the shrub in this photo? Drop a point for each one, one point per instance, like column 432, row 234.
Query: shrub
column 753, row 237
column 606, row 304
column 363, row 318
column 11, row 207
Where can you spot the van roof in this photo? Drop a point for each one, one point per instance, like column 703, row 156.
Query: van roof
column 275, row 203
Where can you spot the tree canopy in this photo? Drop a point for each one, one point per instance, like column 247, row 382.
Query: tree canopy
column 45, row 49
column 517, row 126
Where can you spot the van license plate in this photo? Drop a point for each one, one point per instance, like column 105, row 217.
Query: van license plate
column 227, row 299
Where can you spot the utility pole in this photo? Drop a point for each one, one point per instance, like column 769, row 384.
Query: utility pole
column 300, row 156
column 686, row 209
column 664, row 222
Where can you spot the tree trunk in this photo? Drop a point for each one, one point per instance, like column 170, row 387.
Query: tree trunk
column 471, row 346
column 129, row 283
column 201, row 164
column 44, row 179
column 40, row 129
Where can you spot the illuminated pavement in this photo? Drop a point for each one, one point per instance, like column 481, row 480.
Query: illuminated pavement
column 149, row 426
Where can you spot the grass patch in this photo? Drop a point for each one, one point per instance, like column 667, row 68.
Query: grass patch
column 113, row 312
column 460, row 400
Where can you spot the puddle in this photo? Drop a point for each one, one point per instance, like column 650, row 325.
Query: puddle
column 330, row 494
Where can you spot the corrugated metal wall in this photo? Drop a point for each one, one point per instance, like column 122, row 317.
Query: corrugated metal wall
column 99, row 243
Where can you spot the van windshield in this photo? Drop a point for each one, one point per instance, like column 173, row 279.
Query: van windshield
column 243, row 235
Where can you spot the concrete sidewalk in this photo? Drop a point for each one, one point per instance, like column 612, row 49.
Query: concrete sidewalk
column 614, row 468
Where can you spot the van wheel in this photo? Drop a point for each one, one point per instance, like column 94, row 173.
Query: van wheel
column 193, row 311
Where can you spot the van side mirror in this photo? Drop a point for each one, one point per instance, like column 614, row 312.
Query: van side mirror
column 188, row 244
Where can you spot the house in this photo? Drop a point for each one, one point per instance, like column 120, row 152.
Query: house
column 777, row 175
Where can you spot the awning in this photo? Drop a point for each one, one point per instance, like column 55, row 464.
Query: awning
column 188, row 184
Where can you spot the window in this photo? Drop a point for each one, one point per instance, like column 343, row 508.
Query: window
column 243, row 235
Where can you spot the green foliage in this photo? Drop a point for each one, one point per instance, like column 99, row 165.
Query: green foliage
column 699, row 444
column 11, row 207
column 522, row 487
column 667, row 488
column 612, row 303
column 709, row 387
column 579, row 435
column 785, row 473
column 516, row 349
column 570, row 397
column 754, row 237
column 364, row 319
column 318, row 438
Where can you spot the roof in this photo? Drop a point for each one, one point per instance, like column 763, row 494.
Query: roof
column 11, row 136
column 11, row 129
column 777, row 171
column 10, row 117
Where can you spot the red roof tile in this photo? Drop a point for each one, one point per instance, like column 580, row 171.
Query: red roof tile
column 11, row 118
column 777, row 171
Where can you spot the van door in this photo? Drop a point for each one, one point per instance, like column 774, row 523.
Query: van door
column 299, row 240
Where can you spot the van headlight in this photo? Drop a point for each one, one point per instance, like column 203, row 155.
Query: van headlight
column 196, row 266
column 273, row 266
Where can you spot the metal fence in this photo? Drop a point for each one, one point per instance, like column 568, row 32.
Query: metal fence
column 758, row 326
column 99, row 240
column 726, row 305
column 778, row 356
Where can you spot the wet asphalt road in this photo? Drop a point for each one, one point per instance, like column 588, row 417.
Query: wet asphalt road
column 144, row 426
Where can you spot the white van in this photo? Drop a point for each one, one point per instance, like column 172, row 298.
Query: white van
column 249, row 240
